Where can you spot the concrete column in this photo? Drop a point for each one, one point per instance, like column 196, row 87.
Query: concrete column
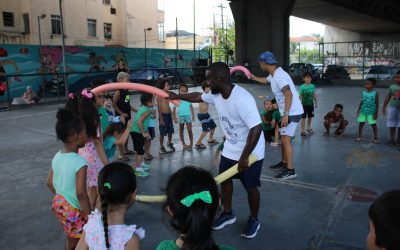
column 262, row 25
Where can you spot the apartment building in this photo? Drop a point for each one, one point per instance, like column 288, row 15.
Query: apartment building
column 86, row 22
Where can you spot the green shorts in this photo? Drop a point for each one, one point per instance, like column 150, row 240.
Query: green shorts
column 366, row 118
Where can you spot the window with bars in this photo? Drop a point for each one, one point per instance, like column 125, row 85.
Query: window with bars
column 161, row 33
column 27, row 28
column 55, row 25
column 91, row 27
column 8, row 19
column 107, row 2
column 107, row 31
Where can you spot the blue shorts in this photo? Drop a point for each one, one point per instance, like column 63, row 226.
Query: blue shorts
column 250, row 178
column 207, row 123
column 168, row 128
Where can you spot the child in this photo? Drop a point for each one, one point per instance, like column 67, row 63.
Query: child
column 109, row 108
column 384, row 222
column 368, row 109
column 276, row 119
column 115, row 135
column 99, row 101
column 164, row 114
column 308, row 98
column 335, row 119
column 152, row 133
column 207, row 123
column 269, row 117
column 93, row 152
column 393, row 117
column 192, row 201
column 123, row 108
column 30, row 96
column 107, row 229
column 186, row 116
column 67, row 178
column 140, row 133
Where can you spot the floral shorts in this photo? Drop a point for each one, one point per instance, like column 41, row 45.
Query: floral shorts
column 70, row 218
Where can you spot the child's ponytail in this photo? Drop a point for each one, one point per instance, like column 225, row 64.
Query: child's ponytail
column 104, row 209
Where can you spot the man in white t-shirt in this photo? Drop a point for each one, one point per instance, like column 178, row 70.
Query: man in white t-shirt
column 289, row 106
column 241, row 124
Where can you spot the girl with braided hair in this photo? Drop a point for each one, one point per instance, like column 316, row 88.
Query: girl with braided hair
column 107, row 229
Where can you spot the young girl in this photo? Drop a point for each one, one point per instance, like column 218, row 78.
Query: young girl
column 93, row 152
column 192, row 201
column 115, row 135
column 140, row 133
column 67, row 177
column 107, row 229
column 152, row 133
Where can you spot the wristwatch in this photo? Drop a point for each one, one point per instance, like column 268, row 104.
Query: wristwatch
column 285, row 113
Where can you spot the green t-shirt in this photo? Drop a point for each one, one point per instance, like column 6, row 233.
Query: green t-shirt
column 65, row 166
column 184, row 109
column 270, row 116
column 135, row 127
column 394, row 91
column 307, row 94
column 109, row 146
column 368, row 103
column 103, row 119
column 170, row 245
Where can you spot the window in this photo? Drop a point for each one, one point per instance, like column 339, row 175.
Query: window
column 25, row 17
column 161, row 34
column 160, row 5
column 55, row 25
column 113, row 11
column 107, row 31
column 107, row 2
column 8, row 19
column 91, row 23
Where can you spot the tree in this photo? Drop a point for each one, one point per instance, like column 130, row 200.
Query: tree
column 225, row 44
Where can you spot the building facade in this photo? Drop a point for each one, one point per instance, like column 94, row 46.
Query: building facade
column 86, row 22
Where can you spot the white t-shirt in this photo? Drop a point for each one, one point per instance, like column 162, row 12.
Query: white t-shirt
column 237, row 115
column 279, row 80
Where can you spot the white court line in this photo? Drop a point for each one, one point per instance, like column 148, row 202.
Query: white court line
column 23, row 116
column 297, row 184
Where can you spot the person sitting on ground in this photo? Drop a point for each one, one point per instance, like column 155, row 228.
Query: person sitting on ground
column 192, row 202
column 30, row 96
column 106, row 228
column 335, row 119
column 384, row 222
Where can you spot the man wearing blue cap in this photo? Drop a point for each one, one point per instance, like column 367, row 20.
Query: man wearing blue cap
column 289, row 106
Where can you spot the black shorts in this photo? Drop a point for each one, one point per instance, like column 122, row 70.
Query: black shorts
column 168, row 128
column 250, row 178
column 138, row 143
column 268, row 134
column 308, row 111
column 152, row 132
column 207, row 123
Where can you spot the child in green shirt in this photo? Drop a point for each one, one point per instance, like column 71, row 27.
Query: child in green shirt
column 270, row 116
column 308, row 98
column 368, row 109
column 393, row 116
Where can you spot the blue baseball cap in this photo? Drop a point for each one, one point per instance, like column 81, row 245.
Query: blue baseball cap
column 268, row 58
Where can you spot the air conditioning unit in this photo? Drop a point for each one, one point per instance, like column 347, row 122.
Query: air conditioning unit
column 113, row 11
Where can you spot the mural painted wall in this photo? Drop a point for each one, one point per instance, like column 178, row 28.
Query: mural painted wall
column 23, row 60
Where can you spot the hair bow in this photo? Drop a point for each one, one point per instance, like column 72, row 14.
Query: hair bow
column 116, row 119
column 71, row 96
column 87, row 94
column 205, row 196
column 107, row 185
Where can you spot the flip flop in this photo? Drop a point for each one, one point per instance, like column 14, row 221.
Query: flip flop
column 130, row 152
column 200, row 146
column 123, row 158
column 310, row 131
column 212, row 142
column 303, row 134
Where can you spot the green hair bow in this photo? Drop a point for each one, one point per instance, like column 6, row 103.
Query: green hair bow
column 205, row 196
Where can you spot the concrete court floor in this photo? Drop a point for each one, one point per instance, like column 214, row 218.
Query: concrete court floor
column 306, row 213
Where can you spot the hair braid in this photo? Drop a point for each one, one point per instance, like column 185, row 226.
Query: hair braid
column 104, row 208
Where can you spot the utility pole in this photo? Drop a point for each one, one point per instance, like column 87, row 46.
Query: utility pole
column 222, row 17
column 63, row 49
column 177, row 42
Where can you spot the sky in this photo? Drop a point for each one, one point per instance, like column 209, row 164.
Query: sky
column 183, row 10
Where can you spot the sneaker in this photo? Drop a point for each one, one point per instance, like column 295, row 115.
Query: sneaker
column 251, row 229
column 162, row 150
column 287, row 174
column 140, row 172
column 280, row 166
column 223, row 220
column 145, row 167
column 171, row 146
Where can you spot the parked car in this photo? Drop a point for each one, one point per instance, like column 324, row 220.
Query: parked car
column 382, row 72
column 335, row 72
column 298, row 69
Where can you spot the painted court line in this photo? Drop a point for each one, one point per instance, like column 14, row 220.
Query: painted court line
column 23, row 116
column 297, row 184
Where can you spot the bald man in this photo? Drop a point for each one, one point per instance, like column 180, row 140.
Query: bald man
column 241, row 124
